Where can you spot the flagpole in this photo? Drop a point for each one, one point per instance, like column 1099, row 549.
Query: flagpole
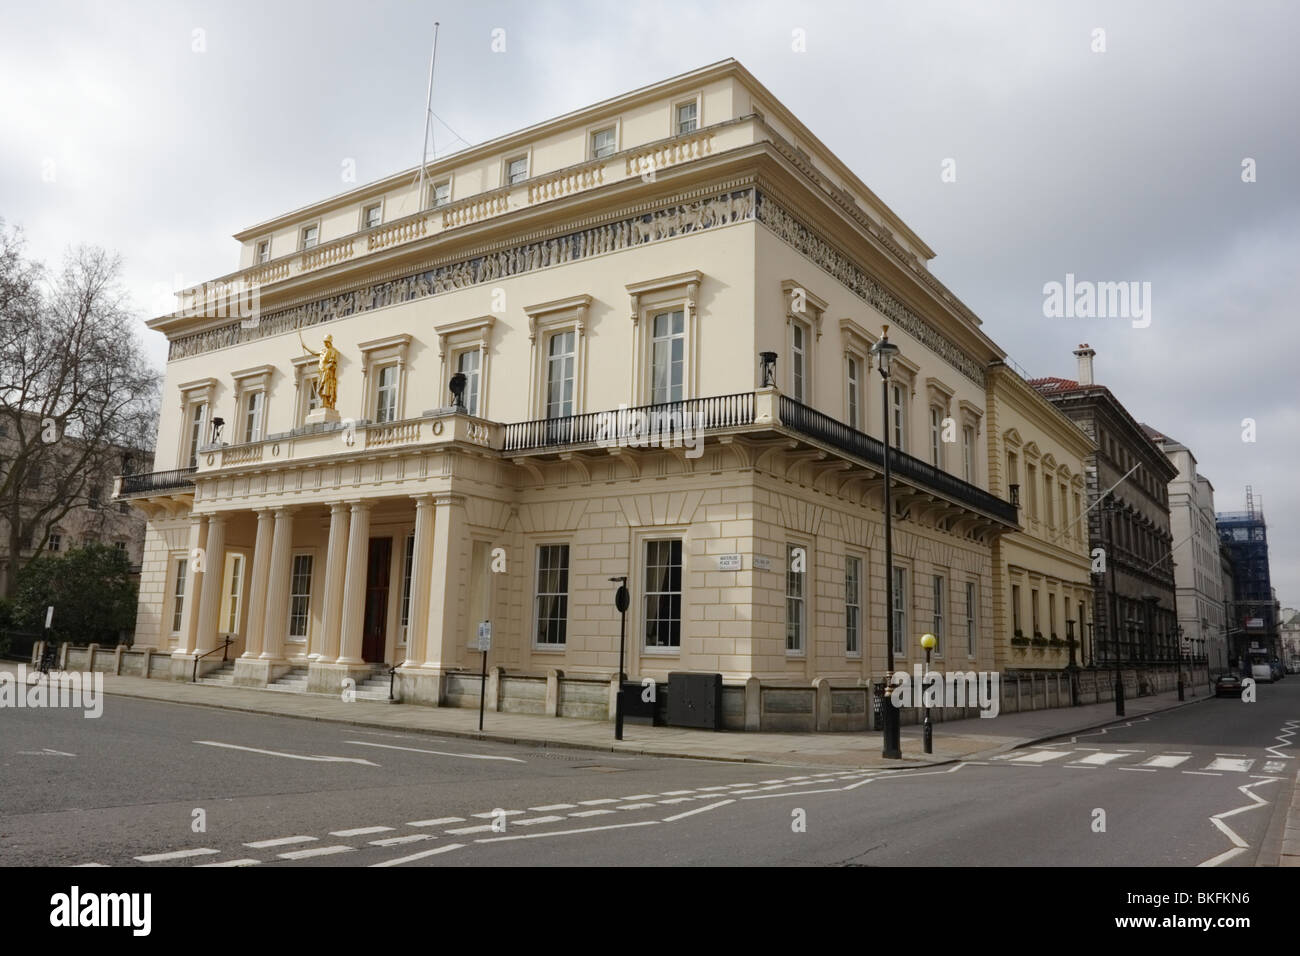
column 428, row 117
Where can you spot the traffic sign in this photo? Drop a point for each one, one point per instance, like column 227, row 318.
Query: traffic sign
column 484, row 642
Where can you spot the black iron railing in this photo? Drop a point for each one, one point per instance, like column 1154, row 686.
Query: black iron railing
column 649, row 424
column 814, row 424
column 157, row 481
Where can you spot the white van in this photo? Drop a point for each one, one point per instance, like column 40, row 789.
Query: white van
column 1262, row 672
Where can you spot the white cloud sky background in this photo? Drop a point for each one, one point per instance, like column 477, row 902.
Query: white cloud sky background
column 1116, row 166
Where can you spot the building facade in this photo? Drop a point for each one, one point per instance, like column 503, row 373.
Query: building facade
column 657, row 313
column 1254, row 612
column 1042, row 586
column 1128, row 500
column 1197, row 568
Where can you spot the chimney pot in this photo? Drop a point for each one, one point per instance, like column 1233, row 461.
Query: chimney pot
column 1084, row 354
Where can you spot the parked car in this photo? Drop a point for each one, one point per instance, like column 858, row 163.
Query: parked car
column 1228, row 685
column 1276, row 667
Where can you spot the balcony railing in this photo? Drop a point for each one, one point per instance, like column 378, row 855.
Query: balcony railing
column 633, row 426
column 826, row 429
column 156, row 482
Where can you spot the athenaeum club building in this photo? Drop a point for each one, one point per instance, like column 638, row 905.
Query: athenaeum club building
column 644, row 251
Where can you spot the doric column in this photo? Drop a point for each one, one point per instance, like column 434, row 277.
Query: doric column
column 277, row 588
column 447, row 592
column 214, row 558
column 257, row 587
column 354, row 583
column 336, row 556
column 421, row 564
column 193, row 584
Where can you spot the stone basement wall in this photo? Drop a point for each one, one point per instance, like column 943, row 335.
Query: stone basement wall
column 824, row 707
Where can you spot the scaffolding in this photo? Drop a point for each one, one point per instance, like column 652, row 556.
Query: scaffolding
column 1252, row 615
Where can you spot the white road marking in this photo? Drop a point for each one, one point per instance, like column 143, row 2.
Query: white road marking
column 533, row 821
column 396, row 841
column 282, row 841
column 592, row 803
column 1227, row 763
column 435, row 823
column 1099, row 758
column 439, row 753
column 1202, row 773
column 1274, row 766
column 277, row 753
column 360, row 831
column 554, row 806
column 590, row 813
column 676, row 800
column 1240, row 844
column 642, row 796
column 636, row 806
column 678, row 793
column 497, row 813
column 175, row 855
column 315, row 851
column 244, row 862
column 1166, row 760
column 45, row 752
column 1139, row 769
column 792, row 793
column 705, row 809
column 419, row 856
column 482, row 829
column 555, row 833
column 1041, row 756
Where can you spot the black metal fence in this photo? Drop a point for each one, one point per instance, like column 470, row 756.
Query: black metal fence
column 157, row 481
column 662, row 424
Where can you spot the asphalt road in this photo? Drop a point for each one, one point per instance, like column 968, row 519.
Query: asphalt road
column 160, row 784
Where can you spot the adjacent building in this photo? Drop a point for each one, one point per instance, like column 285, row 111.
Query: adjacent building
column 1197, row 569
column 1127, row 479
column 1253, row 612
column 634, row 341
column 1042, row 586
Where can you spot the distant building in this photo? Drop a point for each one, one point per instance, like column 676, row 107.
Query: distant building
column 1253, row 613
column 1127, row 480
column 1197, row 571
column 92, row 516
column 1290, row 634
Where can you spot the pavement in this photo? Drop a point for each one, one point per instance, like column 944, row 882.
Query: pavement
column 972, row 739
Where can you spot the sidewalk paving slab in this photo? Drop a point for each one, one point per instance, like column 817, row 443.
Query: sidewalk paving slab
column 974, row 738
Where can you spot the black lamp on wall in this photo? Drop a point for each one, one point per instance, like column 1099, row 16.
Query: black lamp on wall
column 458, row 390
column 768, row 368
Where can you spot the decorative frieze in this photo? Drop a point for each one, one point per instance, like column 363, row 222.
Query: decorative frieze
column 665, row 223
column 827, row 257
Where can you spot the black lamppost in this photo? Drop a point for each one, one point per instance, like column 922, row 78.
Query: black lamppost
column 1112, row 625
column 1182, row 660
column 892, row 743
column 621, row 601
column 1072, row 666
column 928, row 641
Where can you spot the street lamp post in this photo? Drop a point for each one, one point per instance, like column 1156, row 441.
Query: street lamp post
column 621, row 602
column 892, row 745
column 1112, row 625
column 927, row 641
column 1182, row 658
column 1072, row 666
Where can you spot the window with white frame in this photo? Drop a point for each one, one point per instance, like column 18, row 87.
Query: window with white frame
column 178, row 594
column 686, row 117
column 968, row 454
column 386, row 394
column 551, row 605
column 970, row 618
column 603, row 143
column 853, row 605
column 313, row 396
column 796, row 571
column 300, row 597
column 898, row 399
column 798, row 361
column 372, row 216
column 198, row 418
column 560, row 358
column 663, row 593
column 899, row 610
column 56, row 542
column 408, row 560
column 234, row 592
column 936, row 436
column 310, row 236
column 467, row 364
column 667, row 357
column 440, row 193
column 854, row 385
column 939, row 602
column 517, row 170
column 254, row 408
column 264, row 251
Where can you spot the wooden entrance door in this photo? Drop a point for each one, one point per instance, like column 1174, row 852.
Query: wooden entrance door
column 375, row 626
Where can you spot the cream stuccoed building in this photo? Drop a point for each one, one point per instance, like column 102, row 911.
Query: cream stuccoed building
column 643, row 253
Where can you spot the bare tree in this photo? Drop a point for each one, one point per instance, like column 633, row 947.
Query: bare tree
column 76, row 389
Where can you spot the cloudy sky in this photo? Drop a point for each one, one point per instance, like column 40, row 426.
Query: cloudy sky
column 1122, row 165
